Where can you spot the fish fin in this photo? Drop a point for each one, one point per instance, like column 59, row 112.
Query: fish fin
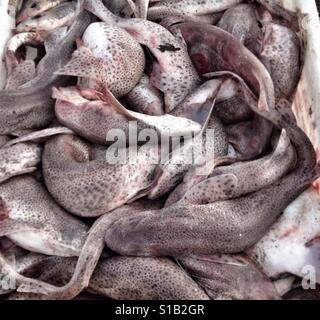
column 207, row 168
column 111, row 99
column 229, row 259
column 35, row 136
column 250, row 98
column 166, row 125
column 200, row 112
column 21, row 74
column 212, row 189
column 142, row 193
column 208, row 113
column 9, row 226
column 84, row 64
column 158, row 172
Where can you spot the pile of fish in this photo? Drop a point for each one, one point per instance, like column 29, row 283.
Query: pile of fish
column 149, row 151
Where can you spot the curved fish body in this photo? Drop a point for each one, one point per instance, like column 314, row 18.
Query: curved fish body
column 101, row 118
column 219, row 227
column 31, row 106
column 280, row 53
column 34, row 8
column 198, row 106
column 167, row 8
column 60, row 16
column 225, row 226
column 237, row 179
column 183, row 158
column 109, row 57
column 129, row 278
column 213, row 49
column 173, row 73
column 30, row 218
column 241, row 21
column 20, row 72
column 19, row 159
column 14, row 44
column 89, row 184
column 87, row 261
column 250, row 138
column 145, row 98
column 230, row 277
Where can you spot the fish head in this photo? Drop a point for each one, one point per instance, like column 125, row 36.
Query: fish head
column 233, row 277
column 27, row 25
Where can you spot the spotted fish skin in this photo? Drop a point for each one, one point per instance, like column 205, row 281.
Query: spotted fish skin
column 230, row 277
column 188, row 7
column 145, row 98
column 30, row 107
column 173, row 72
column 87, row 184
column 243, row 177
column 97, row 116
column 241, row 21
column 91, row 119
column 14, row 44
column 33, row 8
column 220, row 227
column 110, row 57
column 130, row 278
column 280, row 52
column 196, row 106
column 213, row 49
column 60, row 16
column 19, row 159
column 31, row 218
column 204, row 229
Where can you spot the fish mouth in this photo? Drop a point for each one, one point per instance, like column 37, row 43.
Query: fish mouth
column 21, row 18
